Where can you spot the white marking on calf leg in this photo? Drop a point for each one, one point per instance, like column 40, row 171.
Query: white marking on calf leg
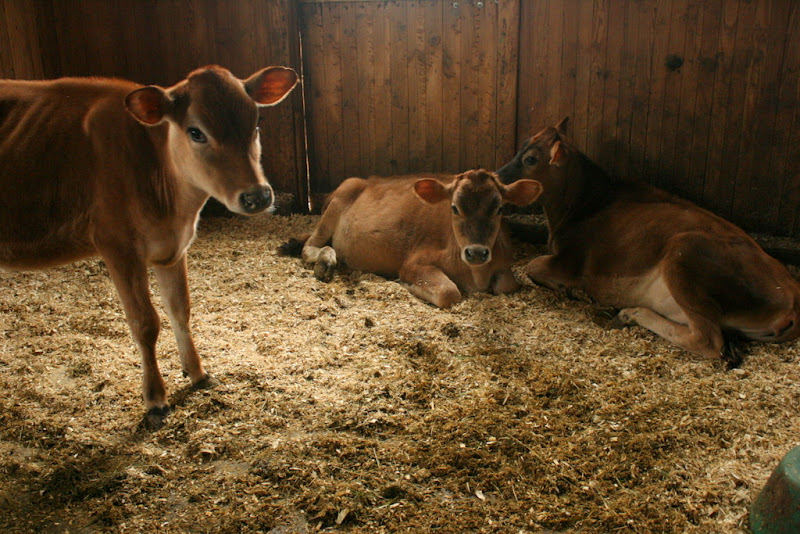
column 700, row 336
column 172, row 281
column 430, row 283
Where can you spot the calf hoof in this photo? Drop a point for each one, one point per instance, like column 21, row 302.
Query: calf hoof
column 622, row 319
column 606, row 318
column 324, row 271
column 206, row 383
column 155, row 418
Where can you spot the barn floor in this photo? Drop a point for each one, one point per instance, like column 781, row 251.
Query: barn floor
column 355, row 407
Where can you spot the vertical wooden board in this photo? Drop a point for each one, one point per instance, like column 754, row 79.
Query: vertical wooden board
column 432, row 10
column 365, row 54
column 24, row 40
column 398, row 65
column 611, row 78
column 754, row 199
column 742, row 57
column 579, row 126
column 350, row 111
column 532, row 57
column 417, row 103
column 6, row 60
column 329, row 91
column 383, row 94
column 594, row 131
column 452, row 23
column 672, row 94
column 486, row 43
column 506, row 88
column 622, row 132
column 643, row 19
column 320, row 115
column 785, row 157
column 680, row 182
column 554, row 32
column 469, row 100
column 716, row 183
column 707, row 65
column 655, row 102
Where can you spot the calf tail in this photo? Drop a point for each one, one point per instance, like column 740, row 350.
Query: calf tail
column 733, row 348
column 293, row 247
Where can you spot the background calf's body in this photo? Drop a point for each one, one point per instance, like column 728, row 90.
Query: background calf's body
column 404, row 227
column 674, row 268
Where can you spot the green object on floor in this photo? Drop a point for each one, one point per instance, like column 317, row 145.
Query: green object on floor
column 776, row 510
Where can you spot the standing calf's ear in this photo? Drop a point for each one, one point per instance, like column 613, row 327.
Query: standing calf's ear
column 148, row 105
column 431, row 191
column 522, row 192
column 270, row 86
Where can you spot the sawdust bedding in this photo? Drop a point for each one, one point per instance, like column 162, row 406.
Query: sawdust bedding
column 355, row 407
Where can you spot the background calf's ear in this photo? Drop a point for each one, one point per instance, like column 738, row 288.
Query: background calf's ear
column 430, row 190
column 270, row 86
column 148, row 105
column 522, row 192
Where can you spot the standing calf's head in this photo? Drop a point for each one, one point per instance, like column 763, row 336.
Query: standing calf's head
column 213, row 138
column 475, row 201
column 538, row 154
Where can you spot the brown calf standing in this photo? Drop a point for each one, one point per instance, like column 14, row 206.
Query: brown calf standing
column 439, row 237
column 674, row 268
column 107, row 167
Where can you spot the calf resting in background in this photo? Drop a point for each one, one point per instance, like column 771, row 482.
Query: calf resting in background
column 441, row 237
column 676, row 269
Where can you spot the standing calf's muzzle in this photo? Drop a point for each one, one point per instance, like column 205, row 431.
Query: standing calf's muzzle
column 476, row 254
column 256, row 200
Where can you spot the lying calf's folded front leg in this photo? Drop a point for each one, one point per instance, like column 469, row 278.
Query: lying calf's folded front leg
column 504, row 282
column 430, row 283
column 324, row 260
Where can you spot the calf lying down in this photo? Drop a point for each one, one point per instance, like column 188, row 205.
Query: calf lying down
column 672, row 267
column 441, row 236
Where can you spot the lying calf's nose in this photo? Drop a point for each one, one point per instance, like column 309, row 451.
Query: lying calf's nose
column 476, row 254
column 256, row 200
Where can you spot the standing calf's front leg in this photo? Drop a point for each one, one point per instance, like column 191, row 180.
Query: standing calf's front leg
column 129, row 274
column 173, row 283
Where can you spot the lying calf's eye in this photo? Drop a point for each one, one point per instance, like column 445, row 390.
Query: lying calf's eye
column 196, row 135
column 455, row 209
column 530, row 160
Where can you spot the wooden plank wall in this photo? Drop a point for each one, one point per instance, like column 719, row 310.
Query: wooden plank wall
column 700, row 97
column 159, row 42
column 403, row 86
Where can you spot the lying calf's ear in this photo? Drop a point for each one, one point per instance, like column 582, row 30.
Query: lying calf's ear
column 431, row 191
column 522, row 192
column 557, row 154
column 148, row 105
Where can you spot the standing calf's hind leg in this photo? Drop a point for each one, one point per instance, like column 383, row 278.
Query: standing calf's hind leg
column 129, row 275
column 430, row 283
column 172, row 281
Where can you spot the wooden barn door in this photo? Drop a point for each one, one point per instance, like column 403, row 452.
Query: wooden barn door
column 402, row 86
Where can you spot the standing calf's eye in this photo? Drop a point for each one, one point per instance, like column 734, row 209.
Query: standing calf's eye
column 455, row 209
column 196, row 135
column 530, row 160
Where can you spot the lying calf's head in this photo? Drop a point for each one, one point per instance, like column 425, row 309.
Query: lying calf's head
column 475, row 200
